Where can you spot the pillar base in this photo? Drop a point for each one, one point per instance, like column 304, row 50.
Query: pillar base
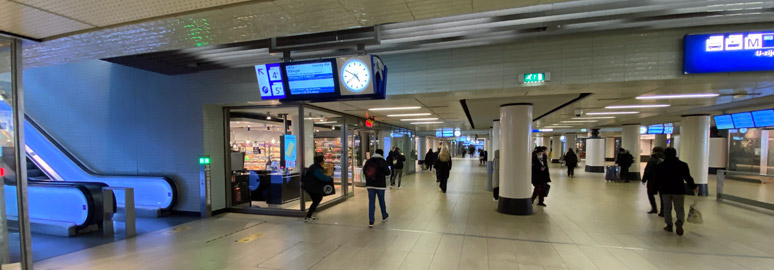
column 521, row 207
column 703, row 190
column 596, row 169
column 715, row 170
column 556, row 161
column 609, row 159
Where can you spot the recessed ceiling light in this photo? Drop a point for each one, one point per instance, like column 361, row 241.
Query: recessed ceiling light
column 326, row 122
column 700, row 95
column 426, row 123
column 420, row 119
column 580, row 121
column 637, row 106
column 594, row 117
column 605, row 113
column 396, row 108
column 408, row 114
column 559, row 126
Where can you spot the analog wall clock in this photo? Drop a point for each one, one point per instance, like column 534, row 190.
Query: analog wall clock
column 356, row 75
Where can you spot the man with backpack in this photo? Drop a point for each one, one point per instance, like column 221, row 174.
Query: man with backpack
column 313, row 184
column 375, row 171
column 624, row 160
column 674, row 180
column 649, row 178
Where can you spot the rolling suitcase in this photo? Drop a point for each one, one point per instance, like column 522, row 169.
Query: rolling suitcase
column 613, row 173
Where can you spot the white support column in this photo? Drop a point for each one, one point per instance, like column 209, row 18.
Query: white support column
column 571, row 141
column 515, row 156
column 610, row 148
column 764, row 151
column 660, row 141
column 556, row 148
column 595, row 154
column 630, row 140
column 421, row 148
column 695, row 150
column 495, row 147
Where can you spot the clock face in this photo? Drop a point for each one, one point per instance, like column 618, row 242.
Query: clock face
column 356, row 75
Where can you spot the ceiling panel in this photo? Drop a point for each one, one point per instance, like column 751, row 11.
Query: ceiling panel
column 20, row 19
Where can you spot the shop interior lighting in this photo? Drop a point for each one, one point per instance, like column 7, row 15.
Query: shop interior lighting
column 420, row 119
column 675, row 96
column 427, row 123
column 408, row 114
column 594, row 117
column 607, row 113
column 637, row 106
column 396, row 108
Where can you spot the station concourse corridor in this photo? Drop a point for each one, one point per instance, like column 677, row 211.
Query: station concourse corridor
column 588, row 224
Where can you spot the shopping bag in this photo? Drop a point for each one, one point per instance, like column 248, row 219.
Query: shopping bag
column 694, row 215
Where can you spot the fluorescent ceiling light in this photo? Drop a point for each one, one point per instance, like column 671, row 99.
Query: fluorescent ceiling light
column 326, row 122
column 408, row 114
column 420, row 119
column 426, row 123
column 637, row 106
column 580, row 121
column 606, row 113
column 545, row 130
column 594, row 117
column 559, row 126
column 700, row 95
column 395, row 108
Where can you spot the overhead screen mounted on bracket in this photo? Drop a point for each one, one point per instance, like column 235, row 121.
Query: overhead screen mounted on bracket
column 729, row 52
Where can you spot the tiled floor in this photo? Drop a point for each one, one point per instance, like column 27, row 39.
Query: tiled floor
column 588, row 224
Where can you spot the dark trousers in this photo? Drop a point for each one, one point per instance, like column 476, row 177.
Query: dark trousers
column 316, row 199
column 652, row 199
column 625, row 173
column 396, row 173
column 570, row 170
column 443, row 178
column 539, row 192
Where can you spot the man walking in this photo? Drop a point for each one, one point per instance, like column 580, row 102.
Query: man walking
column 396, row 163
column 671, row 176
column 375, row 171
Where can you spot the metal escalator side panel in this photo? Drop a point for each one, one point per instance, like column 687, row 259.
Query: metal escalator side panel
column 69, row 203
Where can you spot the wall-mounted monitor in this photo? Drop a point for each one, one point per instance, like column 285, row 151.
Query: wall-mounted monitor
column 763, row 118
column 656, row 129
column 314, row 79
column 724, row 121
column 729, row 52
column 743, row 120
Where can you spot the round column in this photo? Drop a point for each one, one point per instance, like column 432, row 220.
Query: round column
column 660, row 140
column 489, row 164
column 571, row 142
column 495, row 147
column 556, row 149
column 695, row 151
column 595, row 154
column 630, row 140
column 515, row 159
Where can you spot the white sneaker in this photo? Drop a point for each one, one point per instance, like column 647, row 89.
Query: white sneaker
column 399, row 187
column 311, row 219
column 391, row 187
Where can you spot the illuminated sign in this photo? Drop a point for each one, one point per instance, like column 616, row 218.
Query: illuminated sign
column 369, row 123
column 270, row 81
column 534, row 77
column 289, row 149
column 204, row 160
column 729, row 52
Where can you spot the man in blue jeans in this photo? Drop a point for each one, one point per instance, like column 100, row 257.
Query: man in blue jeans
column 375, row 171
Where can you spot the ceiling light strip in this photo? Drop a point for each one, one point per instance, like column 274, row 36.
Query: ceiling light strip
column 676, row 96
column 408, row 114
column 637, row 106
column 610, row 113
column 395, row 108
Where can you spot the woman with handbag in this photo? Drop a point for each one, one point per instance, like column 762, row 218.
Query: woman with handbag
column 313, row 185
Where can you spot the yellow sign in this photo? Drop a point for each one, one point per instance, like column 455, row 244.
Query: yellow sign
column 249, row 238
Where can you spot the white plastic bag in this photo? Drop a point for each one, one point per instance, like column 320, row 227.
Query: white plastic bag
column 694, row 215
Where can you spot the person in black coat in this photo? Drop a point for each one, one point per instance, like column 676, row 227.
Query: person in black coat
column 540, row 176
column 671, row 177
column 571, row 161
column 376, row 171
column 395, row 161
column 624, row 160
column 443, row 165
column 649, row 178
column 430, row 159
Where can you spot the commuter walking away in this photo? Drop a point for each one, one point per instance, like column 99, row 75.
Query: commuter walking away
column 430, row 160
column 540, row 176
column 463, row 152
column 648, row 178
column 624, row 160
column 472, row 150
column 571, row 161
column 396, row 164
column 442, row 167
column 313, row 184
column 672, row 175
column 390, row 158
column 375, row 171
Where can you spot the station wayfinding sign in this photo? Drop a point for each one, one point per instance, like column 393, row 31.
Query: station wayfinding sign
column 344, row 78
column 729, row 52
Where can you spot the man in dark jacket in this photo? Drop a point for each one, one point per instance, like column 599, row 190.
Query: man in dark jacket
column 395, row 161
column 375, row 171
column 540, row 175
column 671, row 177
column 656, row 157
column 313, row 184
column 624, row 160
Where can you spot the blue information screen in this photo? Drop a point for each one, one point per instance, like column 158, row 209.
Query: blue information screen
column 656, row 129
column 310, row 78
column 729, row 52
column 743, row 120
column 668, row 129
column 724, row 121
column 764, row 118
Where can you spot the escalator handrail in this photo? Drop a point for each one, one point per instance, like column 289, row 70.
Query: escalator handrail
column 91, row 217
column 87, row 169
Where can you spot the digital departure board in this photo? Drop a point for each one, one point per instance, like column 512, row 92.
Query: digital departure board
column 764, row 118
column 743, row 120
column 310, row 78
column 729, row 52
column 656, row 129
column 724, row 121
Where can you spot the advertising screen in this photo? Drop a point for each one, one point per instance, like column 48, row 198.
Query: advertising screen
column 729, row 52
column 656, row 129
column 764, row 118
column 743, row 120
column 289, row 148
column 310, row 78
column 270, row 81
column 724, row 121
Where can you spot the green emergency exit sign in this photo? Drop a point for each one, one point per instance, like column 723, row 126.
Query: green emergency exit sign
column 534, row 77
column 204, row 160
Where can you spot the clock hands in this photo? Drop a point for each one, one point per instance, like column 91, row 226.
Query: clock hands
column 353, row 74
